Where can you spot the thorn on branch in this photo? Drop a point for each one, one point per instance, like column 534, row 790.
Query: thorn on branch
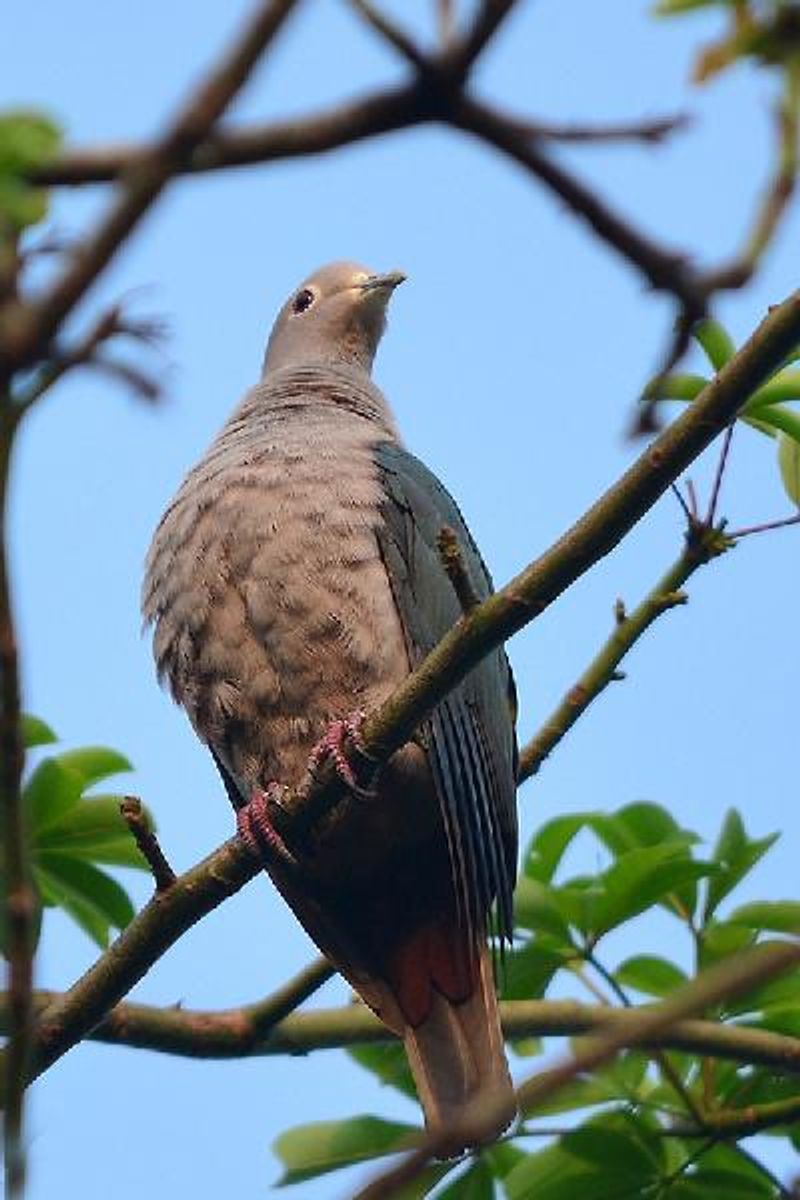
column 133, row 815
column 620, row 612
column 453, row 563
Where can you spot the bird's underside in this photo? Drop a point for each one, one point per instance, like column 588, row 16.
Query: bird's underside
column 295, row 579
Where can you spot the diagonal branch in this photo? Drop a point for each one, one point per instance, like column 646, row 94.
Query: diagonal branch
column 702, row 545
column 528, row 595
column 27, row 329
column 168, row 915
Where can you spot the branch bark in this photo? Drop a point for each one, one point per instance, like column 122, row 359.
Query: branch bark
column 264, row 1029
column 18, row 901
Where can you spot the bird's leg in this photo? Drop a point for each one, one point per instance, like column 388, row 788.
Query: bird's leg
column 254, row 824
column 331, row 746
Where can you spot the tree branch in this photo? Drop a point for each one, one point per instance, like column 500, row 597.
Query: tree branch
column 158, row 926
column 265, row 1029
column 702, row 544
column 27, row 329
column 18, row 901
column 167, row 916
column 663, row 269
column 539, row 584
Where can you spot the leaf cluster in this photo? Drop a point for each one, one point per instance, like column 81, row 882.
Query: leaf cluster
column 646, row 1125
column 769, row 410
column 72, row 829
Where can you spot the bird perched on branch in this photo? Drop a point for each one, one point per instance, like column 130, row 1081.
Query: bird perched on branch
column 293, row 583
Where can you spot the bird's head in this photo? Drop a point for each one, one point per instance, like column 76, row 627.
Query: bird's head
column 336, row 316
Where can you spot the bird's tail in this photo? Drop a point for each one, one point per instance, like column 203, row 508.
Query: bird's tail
column 459, row 1066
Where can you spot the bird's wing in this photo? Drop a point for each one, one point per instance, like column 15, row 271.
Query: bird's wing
column 469, row 738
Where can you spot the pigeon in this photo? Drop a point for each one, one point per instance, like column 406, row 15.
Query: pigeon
column 292, row 584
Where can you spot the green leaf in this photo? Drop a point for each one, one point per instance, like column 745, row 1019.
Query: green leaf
column 777, row 416
column 715, row 341
column 315, row 1149
column 607, row 1157
column 721, row 939
column 536, row 907
column 475, row 1184
column 86, row 915
column 93, row 763
column 618, row 1138
column 35, row 732
column 640, row 879
column 640, row 824
column 27, row 140
column 789, row 463
column 735, row 854
column 680, row 387
column 87, row 884
column 781, row 389
column 646, row 824
column 709, row 1184
column 389, row 1063
column 49, row 794
column 779, row 916
column 670, row 8
column 649, row 974
column 530, row 969
column 549, row 844
column 94, row 830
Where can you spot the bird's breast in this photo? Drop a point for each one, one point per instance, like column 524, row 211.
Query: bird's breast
column 273, row 609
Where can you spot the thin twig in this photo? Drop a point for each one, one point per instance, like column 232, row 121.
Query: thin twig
column 663, row 269
column 653, row 131
column 719, row 475
column 453, row 563
column 777, row 195
column 26, row 330
column 391, row 32
column 666, row 594
column 111, row 324
column 738, row 534
column 134, row 817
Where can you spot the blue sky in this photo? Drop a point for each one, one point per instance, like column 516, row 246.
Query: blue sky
column 513, row 359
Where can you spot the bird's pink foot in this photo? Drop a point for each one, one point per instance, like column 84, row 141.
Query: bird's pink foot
column 254, row 824
column 331, row 746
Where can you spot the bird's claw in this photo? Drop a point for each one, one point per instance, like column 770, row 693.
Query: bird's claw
column 254, row 825
column 331, row 746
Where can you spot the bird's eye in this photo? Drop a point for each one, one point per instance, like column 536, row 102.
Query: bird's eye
column 303, row 300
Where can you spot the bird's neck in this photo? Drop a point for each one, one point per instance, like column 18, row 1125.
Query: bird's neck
column 312, row 389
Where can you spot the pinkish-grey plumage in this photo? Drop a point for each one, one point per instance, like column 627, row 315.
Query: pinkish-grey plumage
column 294, row 579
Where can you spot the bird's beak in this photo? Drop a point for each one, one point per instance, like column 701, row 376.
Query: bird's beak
column 387, row 282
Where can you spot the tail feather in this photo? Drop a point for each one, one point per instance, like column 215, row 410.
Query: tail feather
column 457, row 1058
